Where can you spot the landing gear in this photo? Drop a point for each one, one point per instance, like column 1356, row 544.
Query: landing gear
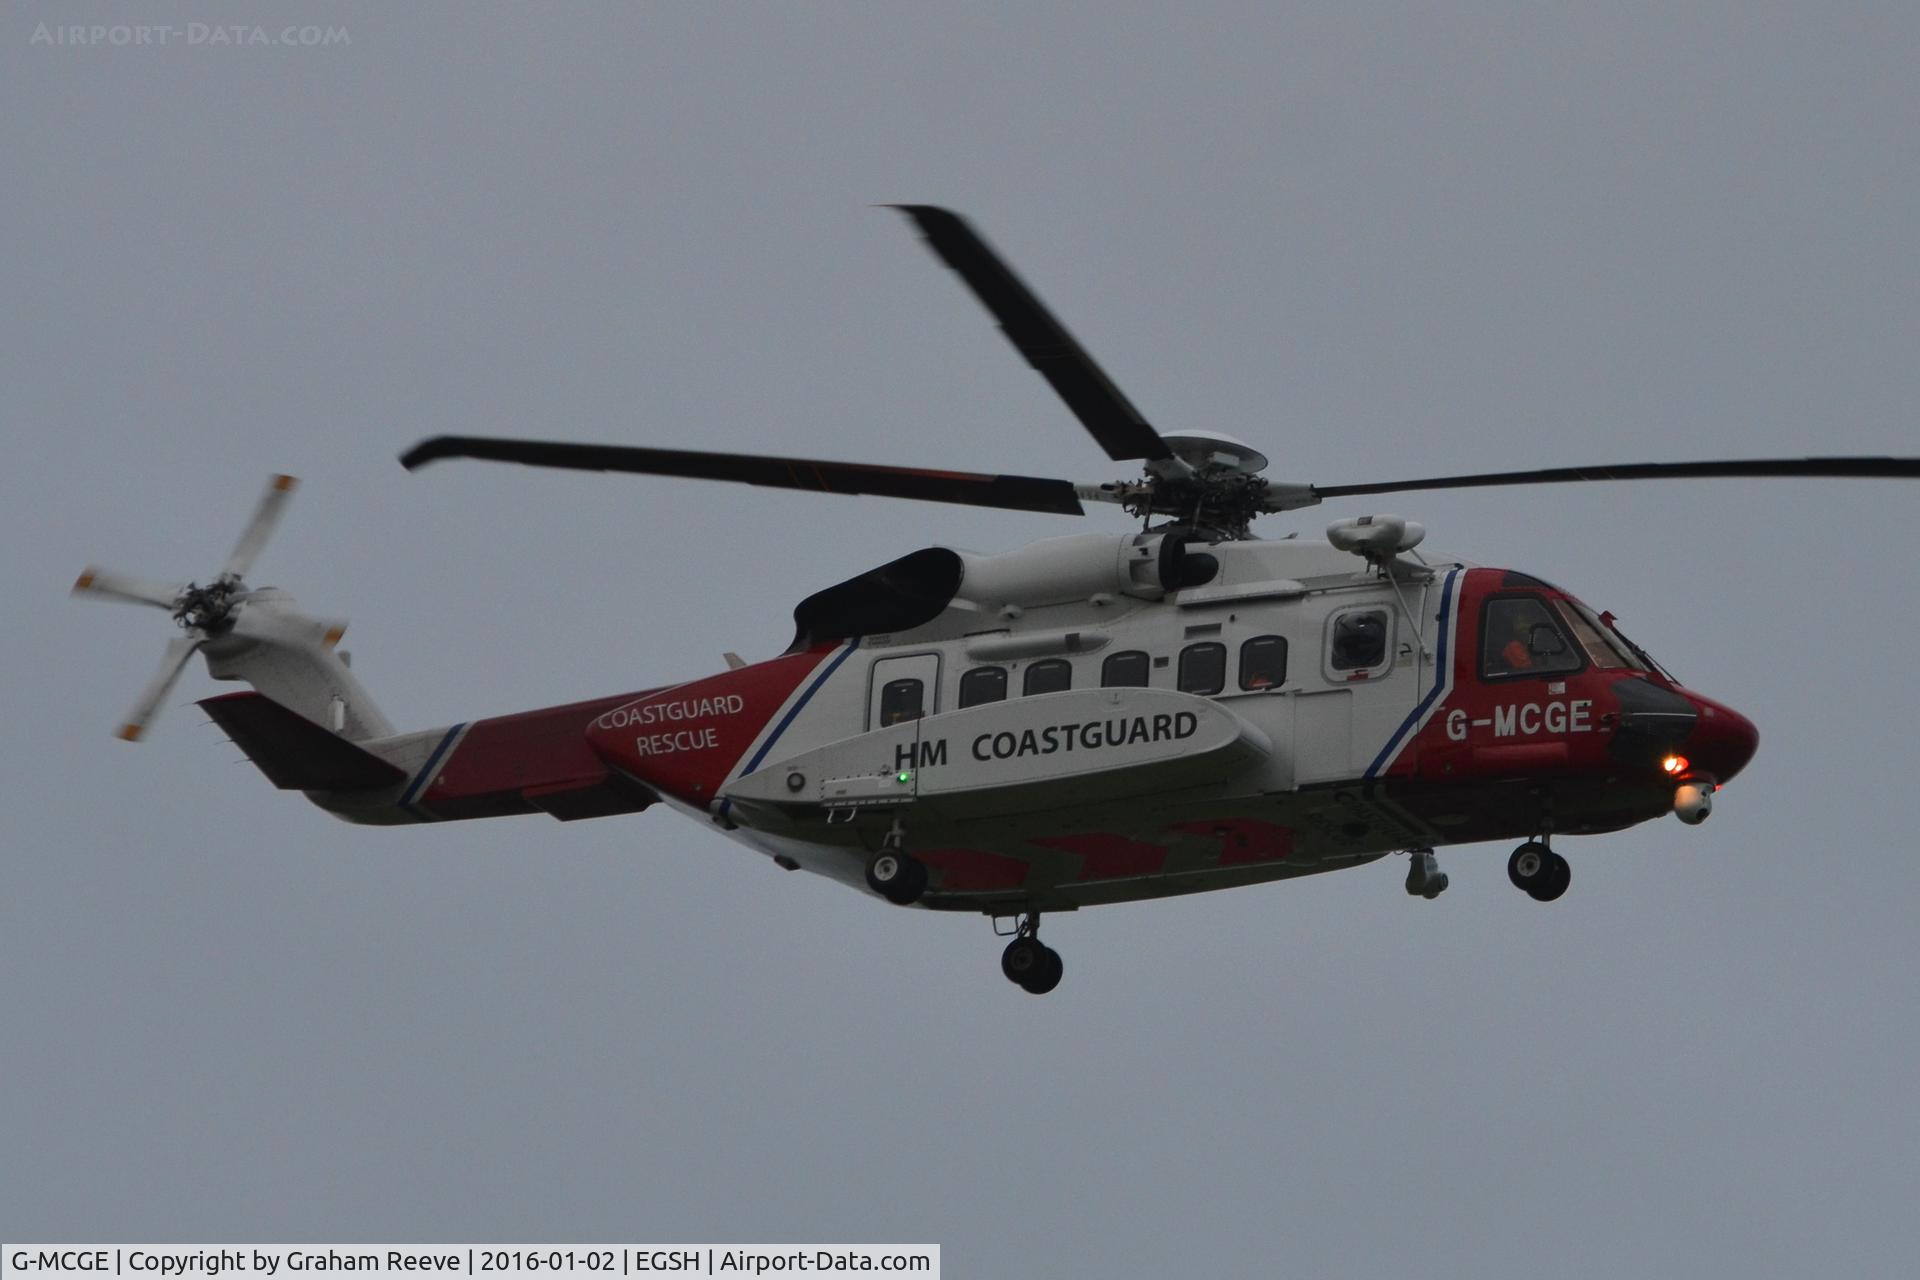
column 1425, row 879
column 1539, row 872
column 895, row 874
column 1029, row 963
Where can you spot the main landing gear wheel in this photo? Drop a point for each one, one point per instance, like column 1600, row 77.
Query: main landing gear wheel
column 1032, row 965
column 1539, row 872
column 897, row 876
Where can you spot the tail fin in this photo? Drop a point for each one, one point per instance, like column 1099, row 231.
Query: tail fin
column 290, row 657
column 295, row 753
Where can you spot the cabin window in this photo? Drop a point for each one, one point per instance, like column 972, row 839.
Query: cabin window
column 900, row 701
column 1360, row 640
column 1263, row 662
column 1125, row 670
column 1051, row 676
column 1203, row 668
column 1520, row 636
column 982, row 685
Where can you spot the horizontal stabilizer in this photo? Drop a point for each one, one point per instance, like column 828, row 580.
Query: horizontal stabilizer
column 295, row 753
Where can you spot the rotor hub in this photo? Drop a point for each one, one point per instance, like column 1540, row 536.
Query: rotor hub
column 1215, row 507
column 1212, row 453
column 207, row 609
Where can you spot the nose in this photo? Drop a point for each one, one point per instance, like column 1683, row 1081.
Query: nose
column 1722, row 740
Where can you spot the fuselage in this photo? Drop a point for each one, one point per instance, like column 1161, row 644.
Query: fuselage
column 1064, row 729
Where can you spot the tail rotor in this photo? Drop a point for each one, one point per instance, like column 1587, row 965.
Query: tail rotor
column 203, row 613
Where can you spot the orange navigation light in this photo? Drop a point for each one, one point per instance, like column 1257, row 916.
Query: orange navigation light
column 1674, row 764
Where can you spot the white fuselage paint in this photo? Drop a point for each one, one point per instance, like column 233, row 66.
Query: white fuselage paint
column 1381, row 709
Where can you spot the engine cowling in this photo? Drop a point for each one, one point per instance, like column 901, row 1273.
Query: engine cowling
column 1145, row 566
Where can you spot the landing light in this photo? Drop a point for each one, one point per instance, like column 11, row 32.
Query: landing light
column 1674, row 764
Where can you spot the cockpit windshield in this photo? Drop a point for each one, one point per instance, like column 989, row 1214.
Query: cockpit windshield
column 1598, row 635
column 1591, row 634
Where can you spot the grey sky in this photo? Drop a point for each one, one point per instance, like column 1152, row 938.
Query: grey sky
column 1400, row 242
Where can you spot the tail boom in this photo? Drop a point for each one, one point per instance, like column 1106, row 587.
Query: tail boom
column 533, row 762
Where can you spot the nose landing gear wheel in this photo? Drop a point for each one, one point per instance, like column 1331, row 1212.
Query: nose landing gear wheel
column 1032, row 965
column 1539, row 872
column 898, row 877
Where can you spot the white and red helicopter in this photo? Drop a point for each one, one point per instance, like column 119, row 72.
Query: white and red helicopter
column 1089, row 719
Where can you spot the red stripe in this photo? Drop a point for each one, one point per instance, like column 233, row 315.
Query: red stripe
column 973, row 870
column 502, row 756
column 685, row 740
column 1243, row 840
column 1108, row 857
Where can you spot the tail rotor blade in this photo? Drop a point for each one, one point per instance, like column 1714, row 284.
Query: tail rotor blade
column 120, row 586
column 288, row 629
column 260, row 528
column 172, row 663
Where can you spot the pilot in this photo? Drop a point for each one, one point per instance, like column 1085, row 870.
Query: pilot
column 1517, row 653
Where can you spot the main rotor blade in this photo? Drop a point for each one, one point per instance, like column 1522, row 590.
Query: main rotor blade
column 1839, row 468
column 172, row 663
column 1043, row 340
column 260, row 528
column 120, row 586
column 1016, row 493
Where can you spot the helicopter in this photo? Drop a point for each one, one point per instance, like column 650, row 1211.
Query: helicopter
column 1089, row 719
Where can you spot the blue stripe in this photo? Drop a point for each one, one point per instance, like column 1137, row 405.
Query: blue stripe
column 420, row 779
column 1439, row 680
column 793, row 711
